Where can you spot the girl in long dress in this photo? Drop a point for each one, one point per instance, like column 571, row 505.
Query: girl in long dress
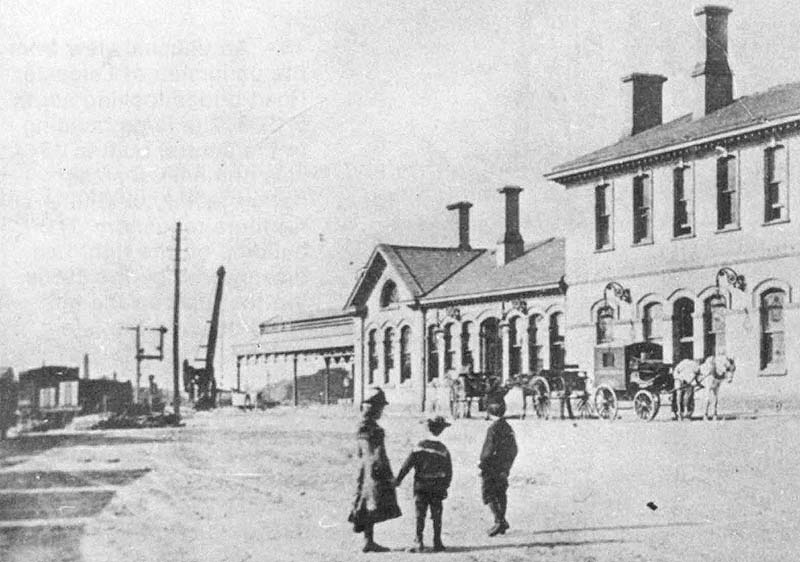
column 376, row 499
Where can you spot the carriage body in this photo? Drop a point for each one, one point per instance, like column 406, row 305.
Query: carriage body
column 634, row 372
column 467, row 387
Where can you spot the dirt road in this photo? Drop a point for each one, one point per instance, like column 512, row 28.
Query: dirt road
column 276, row 485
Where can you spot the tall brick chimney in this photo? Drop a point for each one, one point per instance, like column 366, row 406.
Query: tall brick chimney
column 644, row 97
column 511, row 246
column 712, row 75
column 463, row 223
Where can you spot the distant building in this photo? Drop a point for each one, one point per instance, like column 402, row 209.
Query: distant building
column 682, row 233
column 48, row 389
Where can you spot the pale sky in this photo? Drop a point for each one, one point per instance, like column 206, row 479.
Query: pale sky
column 289, row 138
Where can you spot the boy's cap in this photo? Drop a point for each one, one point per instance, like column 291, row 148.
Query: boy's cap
column 438, row 424
column 496, row 406
column 376, row 397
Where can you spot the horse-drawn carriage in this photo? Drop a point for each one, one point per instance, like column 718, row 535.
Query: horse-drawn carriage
column 466, row 387
column 568, row 386
column 634, row 372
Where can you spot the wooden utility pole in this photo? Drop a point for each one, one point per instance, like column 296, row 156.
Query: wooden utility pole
column 176, row 376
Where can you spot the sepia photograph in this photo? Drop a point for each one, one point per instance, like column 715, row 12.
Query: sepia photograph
column 460, row 281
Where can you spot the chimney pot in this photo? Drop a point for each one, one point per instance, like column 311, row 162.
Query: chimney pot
column 463, row 223
column 511, row 246
column 712, row 75
column 645, row 98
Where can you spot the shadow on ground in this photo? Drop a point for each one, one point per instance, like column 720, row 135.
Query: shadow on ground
column 42, row 512
column 534, row 544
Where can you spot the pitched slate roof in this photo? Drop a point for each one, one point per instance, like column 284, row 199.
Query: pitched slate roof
column 421, row 268
column 425, row 268
column 760, row 108
column 542, row 264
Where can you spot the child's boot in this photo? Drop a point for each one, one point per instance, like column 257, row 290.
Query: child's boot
column 437, row 535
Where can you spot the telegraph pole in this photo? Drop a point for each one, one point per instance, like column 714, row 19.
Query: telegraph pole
column 142, row 356
column 176, row 391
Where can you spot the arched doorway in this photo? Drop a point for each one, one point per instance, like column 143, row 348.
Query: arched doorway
column 491, row 347
column 714, row 325
column 683, row 329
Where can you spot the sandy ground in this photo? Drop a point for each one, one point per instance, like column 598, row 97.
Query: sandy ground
column 277, row 485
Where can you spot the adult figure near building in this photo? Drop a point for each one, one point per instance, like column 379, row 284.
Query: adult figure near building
column 376, row 498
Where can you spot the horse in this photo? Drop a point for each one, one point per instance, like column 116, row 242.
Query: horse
column 689, row 374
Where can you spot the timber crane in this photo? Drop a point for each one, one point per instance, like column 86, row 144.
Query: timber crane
column 202, row 379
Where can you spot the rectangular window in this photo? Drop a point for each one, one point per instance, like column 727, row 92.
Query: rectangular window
column 642, row 215
column 683, row 215
column 602, row 217
column 727, row 193
column 775, row 187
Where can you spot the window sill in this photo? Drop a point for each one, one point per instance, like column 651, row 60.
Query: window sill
column 642, row 243
column 603, row 250
column 773, row 372
column 727, row 229
column 685, row 236
column 776, row 221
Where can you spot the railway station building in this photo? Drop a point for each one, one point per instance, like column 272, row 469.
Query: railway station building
column 691, row 237
column 420, row 315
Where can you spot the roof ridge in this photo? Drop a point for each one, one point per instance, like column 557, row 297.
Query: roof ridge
column 436, row 248
column 780, row 102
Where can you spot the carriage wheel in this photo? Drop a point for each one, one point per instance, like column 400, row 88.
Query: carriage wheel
column 645, row 404
column 581, row 404
column 605, row 402
column 540, row 395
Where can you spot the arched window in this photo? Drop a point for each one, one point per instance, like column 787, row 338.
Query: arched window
column 388, row 354
column 557, row 351
column 652, row 322
column 772, row 331
column 514, row 347
column 491, row 347
column 683, row 329
column 433, row 354
column 405, row 353
column 714, row 325
column 448, row 347
column 605, row 324
column 535, row 362
column 466, row 346
column 389, row 294
column 372, row 352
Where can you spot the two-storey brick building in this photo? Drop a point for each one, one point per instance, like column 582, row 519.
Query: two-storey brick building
column 690, row 238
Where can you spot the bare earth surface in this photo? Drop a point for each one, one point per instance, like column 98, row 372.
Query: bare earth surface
column 277, row 485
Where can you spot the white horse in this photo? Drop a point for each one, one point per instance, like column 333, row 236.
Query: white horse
column 689, row 374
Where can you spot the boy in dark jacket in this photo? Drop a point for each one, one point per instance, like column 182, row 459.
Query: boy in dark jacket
column 497, row 456
column 433, row 471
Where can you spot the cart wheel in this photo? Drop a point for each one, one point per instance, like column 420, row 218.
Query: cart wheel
column 581, row 405
column 605, row 402
column 540, row 395
column 645, row 404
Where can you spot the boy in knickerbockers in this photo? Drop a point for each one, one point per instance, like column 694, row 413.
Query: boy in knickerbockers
column 497, row 456
column 433, row 471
